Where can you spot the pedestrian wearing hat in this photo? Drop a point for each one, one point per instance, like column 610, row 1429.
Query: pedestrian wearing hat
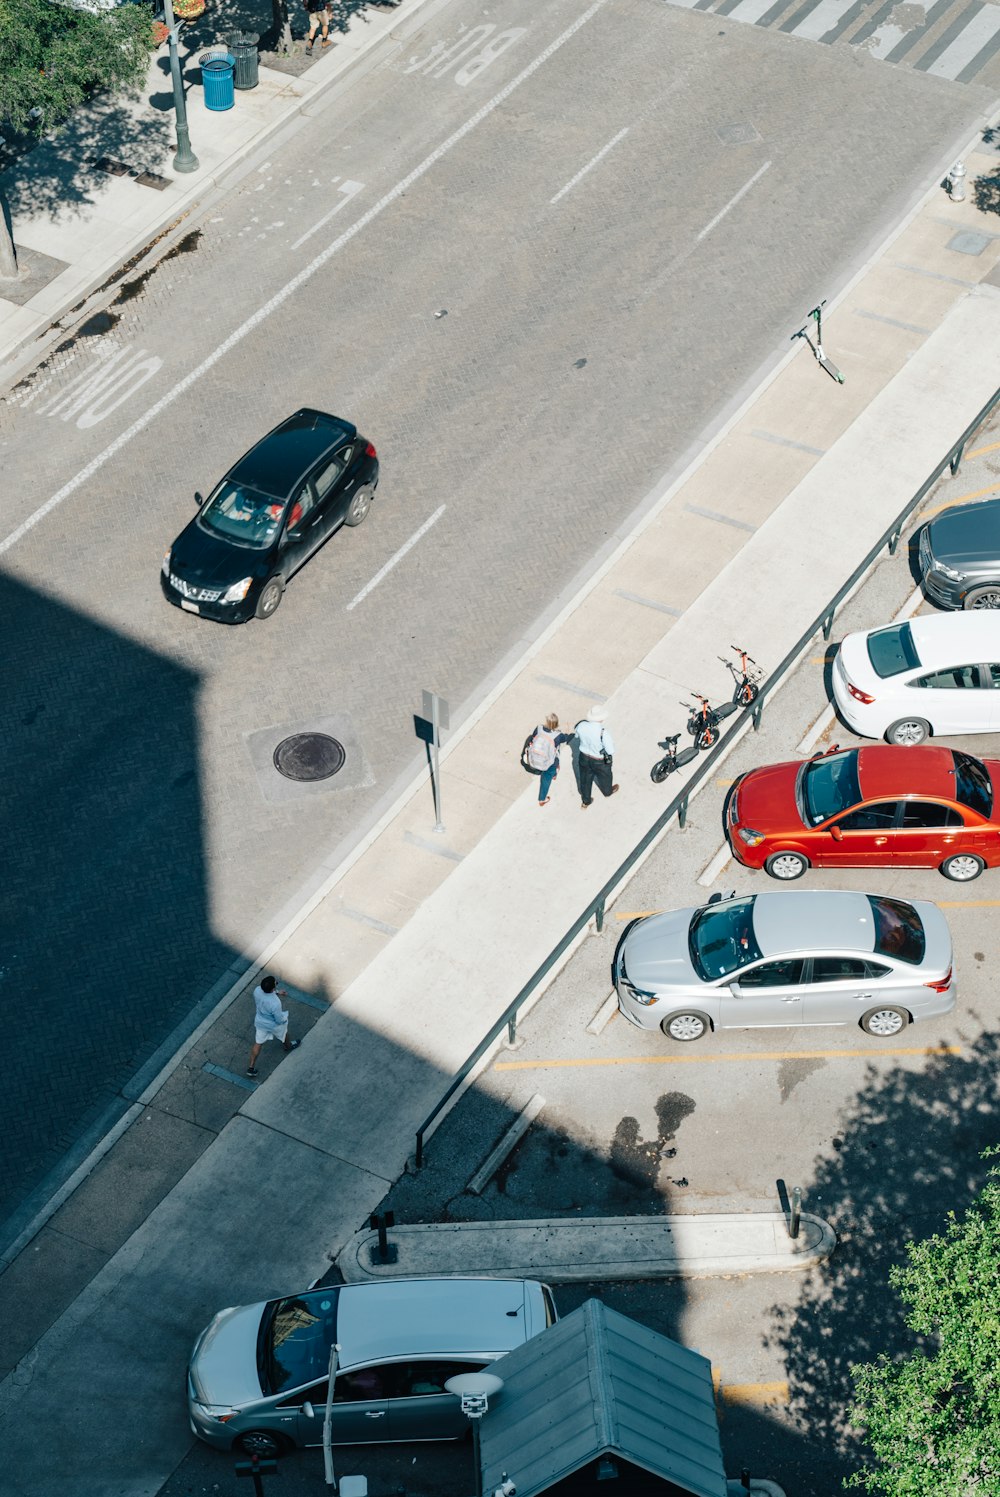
column 596, row 751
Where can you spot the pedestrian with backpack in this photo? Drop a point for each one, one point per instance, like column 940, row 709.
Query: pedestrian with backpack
column 540, row 754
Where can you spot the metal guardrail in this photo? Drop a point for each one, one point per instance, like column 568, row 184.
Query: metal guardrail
column 823, row 623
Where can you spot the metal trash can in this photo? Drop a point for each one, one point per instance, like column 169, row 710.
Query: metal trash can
column 217, row 79
column 243, row 46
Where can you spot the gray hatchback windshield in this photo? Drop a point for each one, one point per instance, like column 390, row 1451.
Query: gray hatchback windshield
column 721, row 939
column 892, row 651
column 828, row 786
column 293, row 1347
column 243, row 515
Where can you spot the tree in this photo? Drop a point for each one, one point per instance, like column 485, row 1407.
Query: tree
column 54, row 56
column 932, row 1417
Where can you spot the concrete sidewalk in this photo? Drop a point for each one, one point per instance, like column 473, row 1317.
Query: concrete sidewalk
column 791, row 496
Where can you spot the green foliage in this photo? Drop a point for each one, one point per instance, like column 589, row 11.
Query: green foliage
column 53, row 56
column 932, row 1418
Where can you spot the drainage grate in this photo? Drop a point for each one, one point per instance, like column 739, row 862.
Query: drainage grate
column 309, row 756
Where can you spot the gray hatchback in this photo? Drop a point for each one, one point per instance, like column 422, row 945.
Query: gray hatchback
column 258, row 1375
column 959, row 556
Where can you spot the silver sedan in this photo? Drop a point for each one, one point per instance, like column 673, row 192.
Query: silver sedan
column 793, row 957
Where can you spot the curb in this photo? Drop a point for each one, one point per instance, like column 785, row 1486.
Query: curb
column 590, row 1249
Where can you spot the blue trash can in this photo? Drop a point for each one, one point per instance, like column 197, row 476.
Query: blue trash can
column 217, row 78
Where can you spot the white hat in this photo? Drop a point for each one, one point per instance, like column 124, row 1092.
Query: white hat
column 596, row 715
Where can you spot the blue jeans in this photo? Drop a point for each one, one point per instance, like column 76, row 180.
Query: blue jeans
column 545, row 781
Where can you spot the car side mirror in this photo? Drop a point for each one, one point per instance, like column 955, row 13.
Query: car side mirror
column 736, row 990
column 308, row 1410
column 836, row 834
column 198, row 499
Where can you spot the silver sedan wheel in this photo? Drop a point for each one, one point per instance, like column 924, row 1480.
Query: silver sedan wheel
column 685, row 1027
column 908, row 731
column 884, row 1022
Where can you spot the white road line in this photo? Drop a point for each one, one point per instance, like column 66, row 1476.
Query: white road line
column 384, row 571
column 290, row 287
column 732, row 202
column 584, row 170
column 349, row 189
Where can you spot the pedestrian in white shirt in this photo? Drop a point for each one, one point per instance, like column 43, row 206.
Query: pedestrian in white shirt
column 596, row 751
column 270, row 1020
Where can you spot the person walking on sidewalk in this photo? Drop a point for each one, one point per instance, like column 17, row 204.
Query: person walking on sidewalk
column 319, row 16
column 541, row 754
column 596, row 750
column 270, row 1020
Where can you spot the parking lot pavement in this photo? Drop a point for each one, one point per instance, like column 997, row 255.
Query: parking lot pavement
column 883, row 1137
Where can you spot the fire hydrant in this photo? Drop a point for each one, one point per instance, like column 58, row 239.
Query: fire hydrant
column 956, row 182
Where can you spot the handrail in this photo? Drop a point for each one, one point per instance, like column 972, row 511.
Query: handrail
column 679, row 805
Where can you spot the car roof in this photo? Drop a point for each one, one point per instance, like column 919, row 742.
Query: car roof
column 956, row 638
column 813, row 920
column 967, row 530
column 281, row 460
column 427, row 1317
column 889, row 773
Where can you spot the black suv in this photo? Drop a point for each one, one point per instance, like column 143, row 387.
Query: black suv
column 273, row 509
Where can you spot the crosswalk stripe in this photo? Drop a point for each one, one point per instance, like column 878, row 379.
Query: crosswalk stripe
column 817, row 19
column 965, row 50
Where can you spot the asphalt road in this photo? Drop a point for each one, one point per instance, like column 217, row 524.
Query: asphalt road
column 535, row 270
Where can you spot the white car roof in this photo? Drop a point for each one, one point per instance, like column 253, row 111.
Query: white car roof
column 943, row 639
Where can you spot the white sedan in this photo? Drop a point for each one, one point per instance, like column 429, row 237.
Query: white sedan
column 934, row 674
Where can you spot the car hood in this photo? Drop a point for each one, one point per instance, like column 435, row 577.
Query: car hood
column 224, row 1361
column 208, row 560
column 766, row 799
column 969, row 533
column 656, row 954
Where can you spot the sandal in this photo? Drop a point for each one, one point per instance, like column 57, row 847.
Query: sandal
column 545, row 801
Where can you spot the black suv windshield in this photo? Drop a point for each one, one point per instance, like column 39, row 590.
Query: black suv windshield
column 721, row 939
column 828, row 786
column 899, row 931
column 972, row 783
column 293, row 1347
column 243, row 515
column 892, row 651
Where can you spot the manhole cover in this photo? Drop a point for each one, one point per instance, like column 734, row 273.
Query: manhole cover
column 309, row 756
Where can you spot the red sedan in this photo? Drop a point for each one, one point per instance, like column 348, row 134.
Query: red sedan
column 874, row 806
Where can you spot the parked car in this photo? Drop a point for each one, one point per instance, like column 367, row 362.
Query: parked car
column 257, row 1380
column 268, row 515
column 934, row 674
column 870, row 807
column 959, row 552
column 794, row 956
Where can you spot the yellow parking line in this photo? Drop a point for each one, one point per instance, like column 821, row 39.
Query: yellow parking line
column 760, row 1394
column 925, row 514
column 981, row 451
column 637, row 914
column 709, row 1059
column 967, row 904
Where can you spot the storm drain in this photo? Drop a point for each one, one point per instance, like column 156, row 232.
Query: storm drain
column 309, row 756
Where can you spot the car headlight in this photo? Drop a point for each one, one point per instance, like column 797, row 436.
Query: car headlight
column 950, row 572
column 750, row 837
column 220, row 1412
column 165, row 564
column 646, row 999
column 238, row 591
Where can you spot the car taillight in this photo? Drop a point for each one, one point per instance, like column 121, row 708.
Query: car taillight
column 942, row 985
column 859, row 695
column 370, row 450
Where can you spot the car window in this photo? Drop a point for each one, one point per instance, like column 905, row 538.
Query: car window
column 899, row 931
column 328, row 475
column 992, row 674
column 973, row 787
column 829, row 785
column 366, row 1383
column 303, row 502
column 721, row 938
column 874, row 818
column 876, row 969
column 839, row 969
column 892, row 651
column 929, row 814
column 426, row 1379
column 242, row 515
column 780, row 974
column 958, row 677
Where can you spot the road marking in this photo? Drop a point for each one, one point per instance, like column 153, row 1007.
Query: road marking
column 760, row 1394
column 925, row 514
column 981, row 451
column 584, row 170
column 968, row 904
column 393, row 560
column 637, row 914
column 694, row 1060
column 732, row 202
column 298, row 280
column 349, row 189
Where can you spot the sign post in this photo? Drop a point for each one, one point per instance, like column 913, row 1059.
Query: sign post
column 428, row 728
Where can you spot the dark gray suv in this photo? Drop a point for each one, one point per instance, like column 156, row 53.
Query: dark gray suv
column 960, row 556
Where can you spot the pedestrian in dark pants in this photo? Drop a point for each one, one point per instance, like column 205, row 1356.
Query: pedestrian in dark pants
column 596, row 750
column 270, row 1020
column 319, row 16
column 541, row 754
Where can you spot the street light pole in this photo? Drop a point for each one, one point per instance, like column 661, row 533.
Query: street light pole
column 185, row 159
